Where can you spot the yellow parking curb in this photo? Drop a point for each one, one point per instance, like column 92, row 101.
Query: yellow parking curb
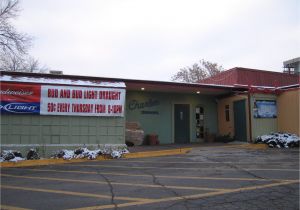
column 100, row 158
column 255, row 146
column 158, row 153
column 44, row 162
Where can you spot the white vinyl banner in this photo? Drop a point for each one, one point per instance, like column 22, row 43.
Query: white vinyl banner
column 82, row 101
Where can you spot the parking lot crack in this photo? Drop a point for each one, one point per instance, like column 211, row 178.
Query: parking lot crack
column 111, row 188
column 234, row 166
column 245, row 171
column 156, row 182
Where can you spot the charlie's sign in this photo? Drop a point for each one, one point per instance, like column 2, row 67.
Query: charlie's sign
column 62, row 100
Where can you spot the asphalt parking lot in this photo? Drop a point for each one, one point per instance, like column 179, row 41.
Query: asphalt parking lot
column 206, row 178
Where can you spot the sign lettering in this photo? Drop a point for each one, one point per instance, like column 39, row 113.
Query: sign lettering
column 17, row 98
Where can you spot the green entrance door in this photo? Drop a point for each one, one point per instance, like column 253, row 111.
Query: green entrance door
column 240, row 127
column 182, row 123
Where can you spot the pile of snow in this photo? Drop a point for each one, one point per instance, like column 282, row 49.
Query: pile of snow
column 109, row 151
column 279, row 140
column 46, row 80
column 90, row 154
column 10, row 155
column 33, row 155
column 14, row 156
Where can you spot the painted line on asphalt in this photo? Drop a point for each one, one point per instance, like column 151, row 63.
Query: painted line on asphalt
column 72, row 193
column 179, row 168
column 158, row 176
column 237, row 156
column 234, row 156
column 199, row 162
column 189, row 197
column 6, row 207
column 235, row 146
column 116, row 183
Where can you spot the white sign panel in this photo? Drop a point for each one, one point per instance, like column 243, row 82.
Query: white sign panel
column 82, row 101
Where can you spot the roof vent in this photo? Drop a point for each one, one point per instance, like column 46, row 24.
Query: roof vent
column 56, row 72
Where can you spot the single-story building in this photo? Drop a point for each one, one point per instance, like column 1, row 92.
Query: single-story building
column 49, row 111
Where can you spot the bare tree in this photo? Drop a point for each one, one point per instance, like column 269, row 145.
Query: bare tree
column 197, row 72
column 33, row 65
column 11, row 62
column 25, row 63
column 11, row 41
column 13, row 44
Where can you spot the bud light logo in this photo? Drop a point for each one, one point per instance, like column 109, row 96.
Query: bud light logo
column 20, row 108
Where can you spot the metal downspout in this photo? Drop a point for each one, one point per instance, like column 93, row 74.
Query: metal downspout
column 250, row 116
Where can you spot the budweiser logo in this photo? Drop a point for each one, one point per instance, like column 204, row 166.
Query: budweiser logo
column 16, row 92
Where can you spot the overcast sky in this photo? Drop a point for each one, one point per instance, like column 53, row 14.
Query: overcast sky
column 153, row 39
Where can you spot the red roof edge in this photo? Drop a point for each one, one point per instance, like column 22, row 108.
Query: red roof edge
column 253, row 77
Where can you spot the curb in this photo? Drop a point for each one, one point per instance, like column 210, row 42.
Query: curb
column 242, row 146
column 255, row 146
column 179, row 151
column 100, row 158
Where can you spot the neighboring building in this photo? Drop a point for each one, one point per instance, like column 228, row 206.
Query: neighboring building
column 292, row 66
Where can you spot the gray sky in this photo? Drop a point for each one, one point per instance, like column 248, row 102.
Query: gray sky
column 153, row 39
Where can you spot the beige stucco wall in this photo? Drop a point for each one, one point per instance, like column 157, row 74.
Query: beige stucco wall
column 288, row 111
column 228, row 127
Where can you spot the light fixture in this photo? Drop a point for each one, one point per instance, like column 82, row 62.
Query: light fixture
column 198, row 92
column 142, row 88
